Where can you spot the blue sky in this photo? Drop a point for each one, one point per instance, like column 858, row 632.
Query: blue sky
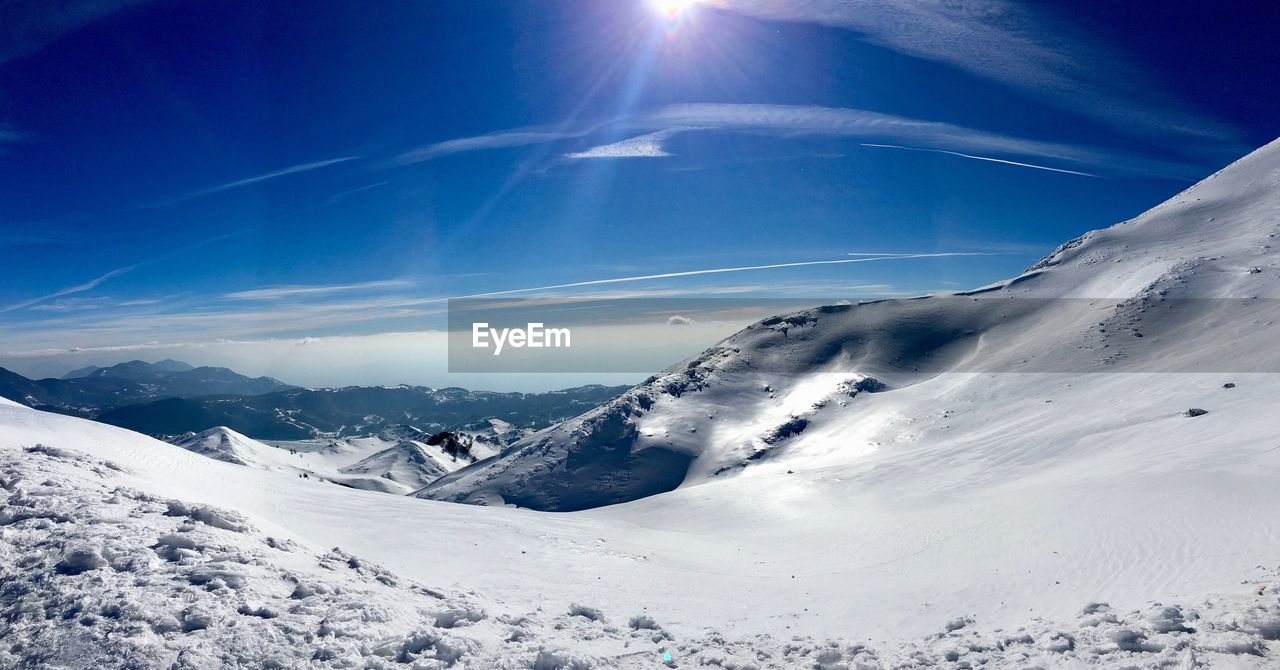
column 220, row 179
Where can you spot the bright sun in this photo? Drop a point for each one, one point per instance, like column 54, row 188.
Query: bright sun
column 673, row 8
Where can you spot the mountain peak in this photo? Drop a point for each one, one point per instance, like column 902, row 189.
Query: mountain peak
column 79, row 373
column 406, row 463
column 223, row 444
column 138, row 369
column 170, row 365
column 129, row 369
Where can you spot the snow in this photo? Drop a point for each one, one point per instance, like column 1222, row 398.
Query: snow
column 223, row 444
column 992, row 504
column 1025, row 435
column 397, row 460
column 407, row 464
column 490, row 436
column 98, row 573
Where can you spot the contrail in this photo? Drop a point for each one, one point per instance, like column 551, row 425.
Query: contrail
column 93, row 283
column 79, row 288
column 294, row 169
column 711, row 271
column 982, row 158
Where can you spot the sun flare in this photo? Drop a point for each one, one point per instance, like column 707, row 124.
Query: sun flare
column 673, row 8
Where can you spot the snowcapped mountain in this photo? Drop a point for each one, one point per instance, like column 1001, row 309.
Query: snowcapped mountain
column 1189, row 286
column 407, row 463
column 224, row 444
column 398, row 460
column 489, row 436
column 1008, row 477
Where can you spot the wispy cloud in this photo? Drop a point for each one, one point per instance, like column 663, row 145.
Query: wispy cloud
column 278, row 292
column 711, row 271
column 643, row 146
column 1009, row 42
column 67, row 306
column 10, row 135
column 96, row 281
column 800, row 120
column 792, row 121
column 499, row 140
column 359, row 189
column 293, row 169
column 195, row 320
column 24, row 233
column 77, row 304
column 981, row 158
column 28, row 25
column 78, row 288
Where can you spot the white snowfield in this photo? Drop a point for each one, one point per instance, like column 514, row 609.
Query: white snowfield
column 965, row 514
column 397, row 460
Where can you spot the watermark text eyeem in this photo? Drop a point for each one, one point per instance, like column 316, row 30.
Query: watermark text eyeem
column 534, row 336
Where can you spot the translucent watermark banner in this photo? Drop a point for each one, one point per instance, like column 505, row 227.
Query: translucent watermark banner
column 974, row 332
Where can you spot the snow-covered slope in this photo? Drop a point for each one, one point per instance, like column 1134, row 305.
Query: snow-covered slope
column 224, row 444
column 117, row 551
column 1190, row 286
column 397, row 460
column 490, row 436
column 450, row 450
column 407, row 463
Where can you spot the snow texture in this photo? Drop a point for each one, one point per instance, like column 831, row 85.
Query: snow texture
column 98, row 574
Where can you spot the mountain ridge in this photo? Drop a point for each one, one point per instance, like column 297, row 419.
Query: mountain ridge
column 172, row 398
column 135, row 369
column 1102, row 302
column 128, row 383
column 311, row 413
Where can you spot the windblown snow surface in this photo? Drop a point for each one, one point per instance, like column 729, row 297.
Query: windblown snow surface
column 945, row 482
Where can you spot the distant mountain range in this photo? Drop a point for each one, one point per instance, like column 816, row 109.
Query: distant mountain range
column 88, row 390
column 171, row 398
column 357, row 410
column 131, row 370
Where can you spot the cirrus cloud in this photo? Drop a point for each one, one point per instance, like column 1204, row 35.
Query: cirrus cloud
column 1012, row 43
column 793, row 121
column 643, row 146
